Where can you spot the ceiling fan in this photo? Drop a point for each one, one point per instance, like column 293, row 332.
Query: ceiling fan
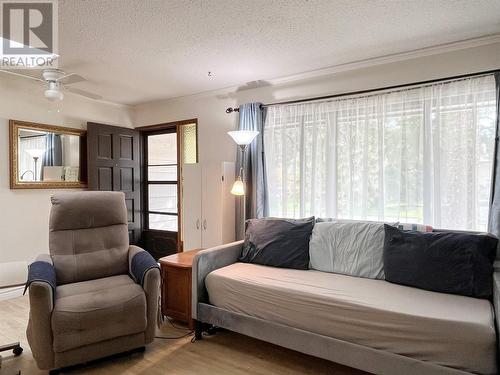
column 57, row 80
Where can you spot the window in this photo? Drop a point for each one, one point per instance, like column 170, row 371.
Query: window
column 421, row 155
column 189, row 143
column 161, row 184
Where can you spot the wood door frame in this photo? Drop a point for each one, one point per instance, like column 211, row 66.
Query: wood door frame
column 158, row 129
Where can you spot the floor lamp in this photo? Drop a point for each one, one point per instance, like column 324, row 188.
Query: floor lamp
column 36, row 154
column 242, row 138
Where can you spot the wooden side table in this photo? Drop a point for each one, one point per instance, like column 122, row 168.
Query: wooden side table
column 176, row 286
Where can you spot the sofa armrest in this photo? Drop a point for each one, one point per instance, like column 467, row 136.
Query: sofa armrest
column 207, row 261
column 41, row 283
column 496, row 298
column 146, row 272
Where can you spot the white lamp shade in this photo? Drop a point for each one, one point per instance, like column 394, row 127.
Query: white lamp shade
column 53, row 95
column 238, row 187
column 36, row 152
column 243, row 137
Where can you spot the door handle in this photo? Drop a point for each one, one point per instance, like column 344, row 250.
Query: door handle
column 198, row 224
column 205, row 224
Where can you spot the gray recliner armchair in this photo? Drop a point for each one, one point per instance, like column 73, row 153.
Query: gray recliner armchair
column 94, row 295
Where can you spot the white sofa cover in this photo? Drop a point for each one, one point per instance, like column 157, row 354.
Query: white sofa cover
column 448, row 330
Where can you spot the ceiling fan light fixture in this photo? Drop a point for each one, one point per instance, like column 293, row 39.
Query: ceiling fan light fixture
column 53, row 94
column 56, row 80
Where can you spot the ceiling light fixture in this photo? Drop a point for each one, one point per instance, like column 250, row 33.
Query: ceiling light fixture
column 53, row 93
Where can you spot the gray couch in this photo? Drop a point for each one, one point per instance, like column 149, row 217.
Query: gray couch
column 94, row 295
column 403, row 331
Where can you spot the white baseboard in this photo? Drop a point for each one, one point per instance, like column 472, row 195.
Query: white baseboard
column 13, row 273
column 11, row 292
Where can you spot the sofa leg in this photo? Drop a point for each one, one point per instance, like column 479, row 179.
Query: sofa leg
column 198, row 329
column 212, row 330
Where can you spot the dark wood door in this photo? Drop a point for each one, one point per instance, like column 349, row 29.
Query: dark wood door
column 114, row 164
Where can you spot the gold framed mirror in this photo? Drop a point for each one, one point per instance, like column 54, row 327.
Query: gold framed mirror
column 46, row 156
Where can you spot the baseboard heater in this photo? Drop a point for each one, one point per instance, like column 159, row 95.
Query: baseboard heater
column 12, row 278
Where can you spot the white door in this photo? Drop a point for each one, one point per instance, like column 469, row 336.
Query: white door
column 191, row 206
column 211, row 204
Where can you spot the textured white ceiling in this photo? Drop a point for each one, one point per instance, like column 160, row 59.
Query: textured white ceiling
column 135, row 51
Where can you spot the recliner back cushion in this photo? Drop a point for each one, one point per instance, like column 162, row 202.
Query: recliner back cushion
column 88, row 236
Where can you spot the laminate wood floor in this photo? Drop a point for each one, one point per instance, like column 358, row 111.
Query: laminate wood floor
column 226, row 353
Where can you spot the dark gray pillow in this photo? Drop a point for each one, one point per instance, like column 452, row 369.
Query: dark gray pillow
column 447, row 262
column 278, row 242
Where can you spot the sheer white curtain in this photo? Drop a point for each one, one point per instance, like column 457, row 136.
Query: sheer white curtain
column 420, row 155
column 26, row 162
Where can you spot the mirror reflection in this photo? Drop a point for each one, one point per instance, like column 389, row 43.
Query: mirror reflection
column 48, row 156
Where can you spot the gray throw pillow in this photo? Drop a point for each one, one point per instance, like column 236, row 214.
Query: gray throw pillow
column 278, row 242
column 348, row 247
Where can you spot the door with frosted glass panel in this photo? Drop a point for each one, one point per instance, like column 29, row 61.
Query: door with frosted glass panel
column 161, row 189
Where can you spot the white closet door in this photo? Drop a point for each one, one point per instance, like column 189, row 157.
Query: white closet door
column 212, row 204
column 192, row 206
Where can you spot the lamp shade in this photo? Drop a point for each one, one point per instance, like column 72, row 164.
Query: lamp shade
column 243, row 137
column 36, row 152
column 238, row 187
column 53, row 95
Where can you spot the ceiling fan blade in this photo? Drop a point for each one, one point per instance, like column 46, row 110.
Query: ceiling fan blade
column 71, row 78
column 83, row 93
column 22, row 75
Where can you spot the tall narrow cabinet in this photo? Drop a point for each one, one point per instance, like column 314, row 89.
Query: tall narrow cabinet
column 208, row 206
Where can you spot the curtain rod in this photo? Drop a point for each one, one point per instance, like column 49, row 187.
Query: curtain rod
column 31, row 136
column 395, row 87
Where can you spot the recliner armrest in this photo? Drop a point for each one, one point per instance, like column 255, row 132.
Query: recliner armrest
column 42, row 271
column 42, row 284
column 207, row 261
column 139, row 263
column 146, row 272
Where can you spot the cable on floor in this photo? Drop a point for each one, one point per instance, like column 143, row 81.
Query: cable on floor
column 189, row 333
column 175, row 337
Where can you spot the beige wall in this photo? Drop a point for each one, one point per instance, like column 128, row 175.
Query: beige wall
column 24, row 214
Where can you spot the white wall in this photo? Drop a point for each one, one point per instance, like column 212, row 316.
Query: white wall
column 213, row 122
column 24, row 213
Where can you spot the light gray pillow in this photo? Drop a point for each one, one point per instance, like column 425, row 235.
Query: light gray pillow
column 353, row 248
